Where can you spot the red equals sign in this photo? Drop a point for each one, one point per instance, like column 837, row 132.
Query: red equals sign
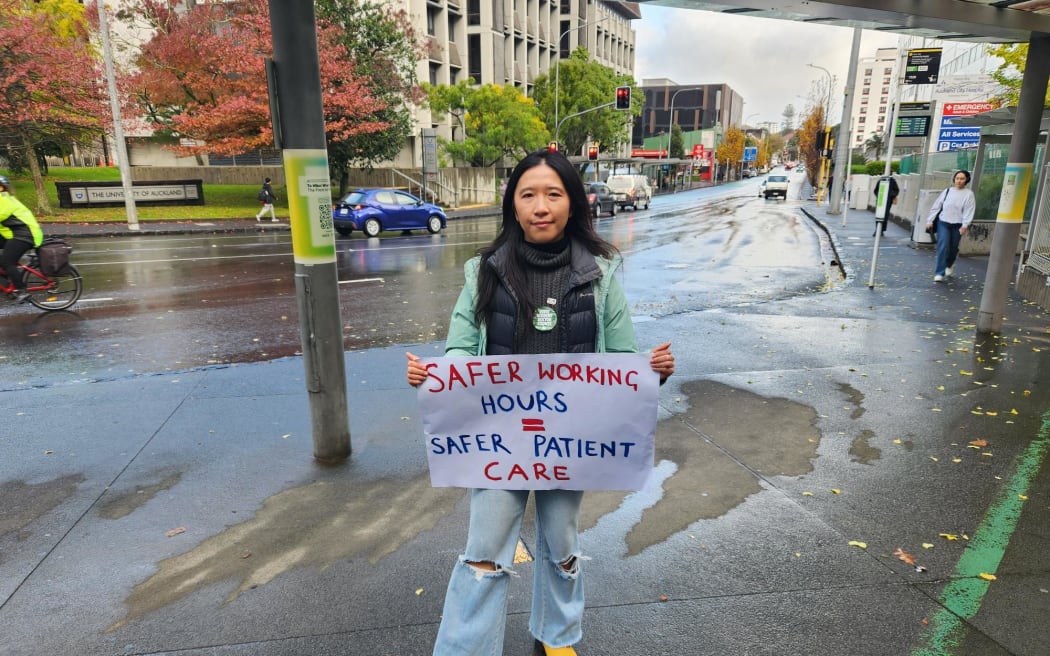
column 532, row 425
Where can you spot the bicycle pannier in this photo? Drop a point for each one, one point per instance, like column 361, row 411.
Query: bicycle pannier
column 54, row 256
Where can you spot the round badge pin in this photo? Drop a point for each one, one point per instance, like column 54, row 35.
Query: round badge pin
column 544, row 319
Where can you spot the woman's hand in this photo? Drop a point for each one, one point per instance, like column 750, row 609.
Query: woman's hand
column 662, row 360
column 416, row 372
column 962, row 230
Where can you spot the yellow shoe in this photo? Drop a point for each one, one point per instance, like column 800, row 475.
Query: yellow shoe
column 557, row 651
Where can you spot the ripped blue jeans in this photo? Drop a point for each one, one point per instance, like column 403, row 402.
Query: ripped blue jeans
column 475, row 614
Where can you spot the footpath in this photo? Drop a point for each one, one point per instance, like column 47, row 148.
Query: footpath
column 848, row 471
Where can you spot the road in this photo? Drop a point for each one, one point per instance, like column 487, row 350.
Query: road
column 171, row 303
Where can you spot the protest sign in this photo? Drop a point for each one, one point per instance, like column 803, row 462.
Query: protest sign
column 540, row 422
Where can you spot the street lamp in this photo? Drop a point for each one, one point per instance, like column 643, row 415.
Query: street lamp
column 557, row 71
column 670, row 118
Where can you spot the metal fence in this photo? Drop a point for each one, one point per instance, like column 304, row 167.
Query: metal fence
column 1039, row 235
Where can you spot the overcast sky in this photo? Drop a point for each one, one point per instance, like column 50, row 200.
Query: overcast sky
column 762, row 59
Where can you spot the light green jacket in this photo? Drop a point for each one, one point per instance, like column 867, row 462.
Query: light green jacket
column 17, row 222
column 466, row 336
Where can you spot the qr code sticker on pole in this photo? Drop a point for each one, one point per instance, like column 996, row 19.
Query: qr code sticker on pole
column 324, row 215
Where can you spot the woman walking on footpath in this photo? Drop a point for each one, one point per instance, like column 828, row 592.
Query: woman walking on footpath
column 953, row 210
column 267, row 197
column 546, row 284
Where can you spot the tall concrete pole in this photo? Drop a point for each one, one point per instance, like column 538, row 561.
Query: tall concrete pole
column 295, row 80
column 843, row 147
column 118, row 121
column 1016, row 181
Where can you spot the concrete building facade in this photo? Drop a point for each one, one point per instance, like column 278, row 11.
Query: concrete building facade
column 512, row 42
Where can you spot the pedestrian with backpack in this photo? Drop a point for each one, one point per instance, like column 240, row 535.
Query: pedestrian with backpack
column 267, row 197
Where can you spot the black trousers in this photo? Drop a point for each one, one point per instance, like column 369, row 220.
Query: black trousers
column 12, row 250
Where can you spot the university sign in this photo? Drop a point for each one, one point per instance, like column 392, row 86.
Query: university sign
column 111, row 194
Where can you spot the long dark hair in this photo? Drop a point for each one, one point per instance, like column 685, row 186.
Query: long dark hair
column 579, row 229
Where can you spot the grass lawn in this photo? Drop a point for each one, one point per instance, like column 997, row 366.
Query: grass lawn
column 221, row 201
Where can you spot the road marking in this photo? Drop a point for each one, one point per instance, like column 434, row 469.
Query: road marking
column 961, row 598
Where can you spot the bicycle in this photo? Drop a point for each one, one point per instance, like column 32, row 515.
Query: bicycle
column 49, row 293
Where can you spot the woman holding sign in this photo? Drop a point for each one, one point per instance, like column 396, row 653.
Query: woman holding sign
column 544, row 285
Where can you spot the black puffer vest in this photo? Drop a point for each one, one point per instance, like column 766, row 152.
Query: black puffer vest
column 580, row 333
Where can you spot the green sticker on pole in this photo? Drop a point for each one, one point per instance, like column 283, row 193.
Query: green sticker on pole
column 310, row 205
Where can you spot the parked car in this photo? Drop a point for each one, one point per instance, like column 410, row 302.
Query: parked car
column 776, row 185
column 762, row 189
column 750, row 173
column 600, row 199
column 633, row 190
column 375, row 210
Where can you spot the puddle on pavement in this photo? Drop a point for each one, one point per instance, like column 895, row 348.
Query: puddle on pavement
column 862, row 451
column 311, row 526
column 26, row 502
column 727, row 436
column 720, row 447
column 115, row 506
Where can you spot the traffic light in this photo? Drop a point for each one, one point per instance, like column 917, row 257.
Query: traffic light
column 553, row 146
column 592, row 152
column 623, row 97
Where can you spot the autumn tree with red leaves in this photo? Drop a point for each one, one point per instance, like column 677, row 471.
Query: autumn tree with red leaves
column 202, row 77
column 51, row 84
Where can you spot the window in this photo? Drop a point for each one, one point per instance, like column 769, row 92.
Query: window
column 473, row 12
column 863, row 110
column 474, row 57
column 885, row 80
column 887, row 71
column 434, row 68
column 882, row 110
column 865, row 92
column 867, row 81
column 432, row 20
column 862, row 120
column 867, row 71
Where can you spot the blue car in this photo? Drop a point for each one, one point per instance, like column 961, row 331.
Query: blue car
column 374, row 210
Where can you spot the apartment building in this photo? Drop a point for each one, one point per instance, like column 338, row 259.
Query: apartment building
column 512, row 42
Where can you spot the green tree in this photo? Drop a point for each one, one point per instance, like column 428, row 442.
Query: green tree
column 384, row 48
column 676, row 149
column 582, row 84
column 1010, row 71
column 875, row 142
column 489, row 122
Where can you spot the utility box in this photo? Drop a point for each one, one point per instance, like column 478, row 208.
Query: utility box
column 927, row 197
column 859, row 192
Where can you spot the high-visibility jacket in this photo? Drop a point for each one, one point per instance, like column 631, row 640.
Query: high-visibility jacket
column 17, row 222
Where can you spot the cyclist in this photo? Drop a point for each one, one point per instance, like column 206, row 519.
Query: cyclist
column 19, row 231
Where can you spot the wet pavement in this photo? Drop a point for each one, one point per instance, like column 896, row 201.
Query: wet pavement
column 852, row 471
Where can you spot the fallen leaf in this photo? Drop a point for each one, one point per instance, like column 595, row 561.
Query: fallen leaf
column 979, row 443
column 807, row 494
column 903, row 555
column 927, row 545
column 419, row 591
column 855, row 543
column 951, row 537
column 664, row 597
column 835, row 490
column 175, row 531
column 986, row 576
column 965, row 373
